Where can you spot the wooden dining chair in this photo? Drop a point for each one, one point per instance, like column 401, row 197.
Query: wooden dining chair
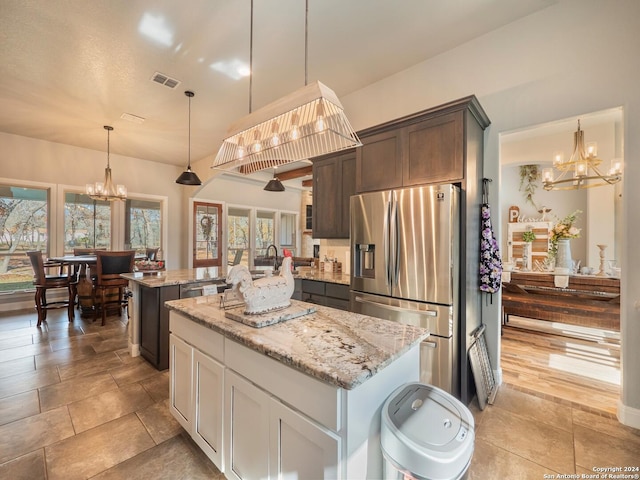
column 44, row 282
column 109, row 266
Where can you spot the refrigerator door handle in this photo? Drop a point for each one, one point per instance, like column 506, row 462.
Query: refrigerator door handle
column 386, row 247
column 359, row 299
column 396, row 242
column 430, row 344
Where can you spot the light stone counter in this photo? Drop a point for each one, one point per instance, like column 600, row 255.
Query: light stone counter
column 337, row 347
column 177, row 277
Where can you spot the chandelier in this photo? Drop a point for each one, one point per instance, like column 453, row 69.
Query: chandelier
column 306, row 123
column 581, row 170
column 105, row 190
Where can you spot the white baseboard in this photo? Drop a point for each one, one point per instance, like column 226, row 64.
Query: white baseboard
column 497, row 376
column 628, row 415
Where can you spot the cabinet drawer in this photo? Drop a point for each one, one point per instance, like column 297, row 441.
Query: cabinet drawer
column 338, row 303
column 336, row 290
column 318, row 400
column 311, row 286
column 202, row 338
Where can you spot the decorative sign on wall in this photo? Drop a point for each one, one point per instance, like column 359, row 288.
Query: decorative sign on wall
column 514, row 213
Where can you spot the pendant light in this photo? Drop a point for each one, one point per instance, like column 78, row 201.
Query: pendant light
column 306, row 123
column 105, row 191
column 188, row 177
column 274, row 185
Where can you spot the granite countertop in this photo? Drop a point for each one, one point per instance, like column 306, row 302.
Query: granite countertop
column 217, row 274
column 341, row 348
column 177, row 277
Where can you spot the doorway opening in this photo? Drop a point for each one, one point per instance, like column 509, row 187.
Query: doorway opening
column 554, row 342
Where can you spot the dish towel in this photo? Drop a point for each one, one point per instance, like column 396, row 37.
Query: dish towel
column 561, row 281
column 490, row 261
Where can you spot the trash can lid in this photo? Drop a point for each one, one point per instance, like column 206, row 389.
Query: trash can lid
column 427, row 431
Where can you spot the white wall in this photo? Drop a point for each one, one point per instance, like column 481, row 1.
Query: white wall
column 574, row 57
column 28, row 159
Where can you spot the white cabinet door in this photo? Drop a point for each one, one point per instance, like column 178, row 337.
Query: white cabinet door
column 180, row 364
column 299, row 448
column 246, row 430
column 208, row 395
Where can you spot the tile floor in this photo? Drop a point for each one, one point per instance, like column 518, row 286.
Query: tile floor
column 75, row 405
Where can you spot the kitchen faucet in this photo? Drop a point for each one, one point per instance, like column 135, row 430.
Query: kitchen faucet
column 275, row 257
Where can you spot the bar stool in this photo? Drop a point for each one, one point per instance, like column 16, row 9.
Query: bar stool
column 109, row 266
column 44, row 282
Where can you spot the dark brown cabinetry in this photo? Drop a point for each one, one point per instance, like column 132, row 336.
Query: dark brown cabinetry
column 325, row 293
column 333, row 183
column 421, row 149
column 154, row 324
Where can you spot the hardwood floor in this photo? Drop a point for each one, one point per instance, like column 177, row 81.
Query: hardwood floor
column 576, row 366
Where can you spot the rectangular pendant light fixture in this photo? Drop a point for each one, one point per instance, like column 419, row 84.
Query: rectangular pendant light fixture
column 306, row 123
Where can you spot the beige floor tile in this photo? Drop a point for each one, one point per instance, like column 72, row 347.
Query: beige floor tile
column 549, row 446
column 19, row 406
column 28, row 467
column 68, row 342
column 23, row 436
column 103, row 408
column 98, row 449
column 24, row 351
column 531, row 407
column 159, row 422
column 110, row 344
column 57, row 332
column 157, row 386
column 605, row 425
column 16, row 342
column 93, row 364
column 64, row 356
column 15, row 324
column 75, row 389
column 595, row 449
column 126, row 357
column 175, row 458
column 133, row 372
column 23, row 382
column 491, row 462
column 14, row 367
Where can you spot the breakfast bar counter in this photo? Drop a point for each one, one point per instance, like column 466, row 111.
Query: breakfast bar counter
column 300, row 396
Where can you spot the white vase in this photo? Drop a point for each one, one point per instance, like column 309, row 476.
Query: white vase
column 526, row 257
column 564, row 263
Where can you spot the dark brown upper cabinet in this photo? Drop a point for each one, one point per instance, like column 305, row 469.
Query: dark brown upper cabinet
column 334, row 181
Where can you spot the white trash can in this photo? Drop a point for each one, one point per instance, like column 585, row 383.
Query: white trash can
column 425, row 433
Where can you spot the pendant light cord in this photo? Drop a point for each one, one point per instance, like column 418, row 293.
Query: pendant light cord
column 251, row 59
column 189, row 149
column 306, row 39
column 108, row 147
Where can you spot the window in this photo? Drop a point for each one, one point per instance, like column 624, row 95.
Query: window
column 288, row 231
column 207, row 226
column 24, row 226
column 87, row 222
column 265, row 231
column 143, row 224
column 238, row 234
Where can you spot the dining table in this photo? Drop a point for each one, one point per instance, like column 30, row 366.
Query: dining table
column 81, row 264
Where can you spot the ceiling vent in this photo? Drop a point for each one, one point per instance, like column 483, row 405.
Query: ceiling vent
column 165, row 80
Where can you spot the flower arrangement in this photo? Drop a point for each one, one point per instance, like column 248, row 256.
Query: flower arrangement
column 564, row 229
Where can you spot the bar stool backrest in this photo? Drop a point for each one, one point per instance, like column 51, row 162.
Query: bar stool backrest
column 110, row 264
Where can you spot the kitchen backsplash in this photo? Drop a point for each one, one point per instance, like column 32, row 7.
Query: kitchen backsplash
column 339, row 249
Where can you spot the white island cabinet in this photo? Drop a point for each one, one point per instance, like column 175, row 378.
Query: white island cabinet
column 298, row 399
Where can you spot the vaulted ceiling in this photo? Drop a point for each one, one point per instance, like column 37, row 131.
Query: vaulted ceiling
column 69, row 67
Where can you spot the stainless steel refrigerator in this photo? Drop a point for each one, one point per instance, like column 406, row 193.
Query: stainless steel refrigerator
column 404, row 247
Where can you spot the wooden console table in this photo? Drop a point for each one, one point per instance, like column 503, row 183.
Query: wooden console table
column 587, row 301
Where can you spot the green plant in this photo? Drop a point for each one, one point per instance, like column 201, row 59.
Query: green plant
column 528, row 236
column 529, row 178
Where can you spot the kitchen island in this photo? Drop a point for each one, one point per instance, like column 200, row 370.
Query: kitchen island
column 149, row 323
column 299, row 398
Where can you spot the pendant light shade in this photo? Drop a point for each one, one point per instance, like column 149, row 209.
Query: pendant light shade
column 106, row 191
column 306, row 123
column 274, row 185
column 188, row 177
